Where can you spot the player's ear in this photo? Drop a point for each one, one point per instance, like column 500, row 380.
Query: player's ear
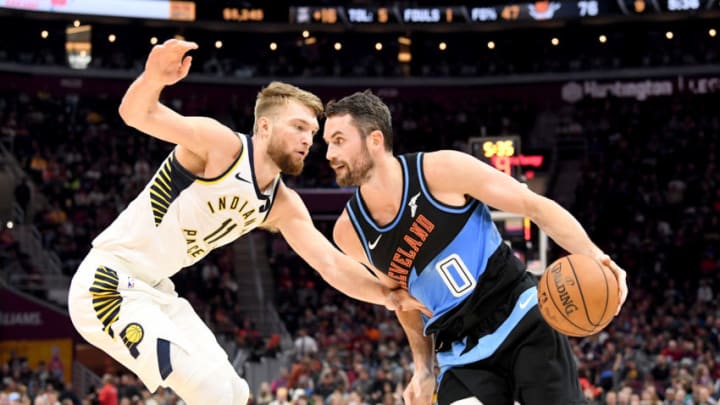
column 376, row 138
column 264, row 124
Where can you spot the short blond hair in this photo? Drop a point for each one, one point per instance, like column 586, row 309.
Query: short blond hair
column 278, row 93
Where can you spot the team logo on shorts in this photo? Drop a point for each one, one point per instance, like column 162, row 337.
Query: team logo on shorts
column 132, row 335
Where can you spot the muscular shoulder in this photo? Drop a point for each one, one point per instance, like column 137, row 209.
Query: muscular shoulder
column 442, row 165
column 288, row 204
column 444, row 160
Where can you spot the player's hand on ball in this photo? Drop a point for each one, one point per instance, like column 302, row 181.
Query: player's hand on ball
column 399, row 300
column 420, row 389
column 619, row 274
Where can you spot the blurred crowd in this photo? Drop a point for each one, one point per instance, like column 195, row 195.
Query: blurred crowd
column 25, row 384
column 290, row 53
column 649, row 195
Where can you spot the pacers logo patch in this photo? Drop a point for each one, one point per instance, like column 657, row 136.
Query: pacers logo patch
column 132, row 335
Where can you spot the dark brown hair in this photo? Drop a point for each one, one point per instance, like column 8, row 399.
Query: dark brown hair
column 368, row 113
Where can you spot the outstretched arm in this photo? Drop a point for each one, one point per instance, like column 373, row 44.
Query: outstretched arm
column 483, row 182
column 292, row 218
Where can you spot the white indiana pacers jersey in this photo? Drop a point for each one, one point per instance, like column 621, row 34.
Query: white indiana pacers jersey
column 179, row 218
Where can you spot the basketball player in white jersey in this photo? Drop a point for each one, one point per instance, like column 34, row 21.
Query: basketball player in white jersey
column 215, row 186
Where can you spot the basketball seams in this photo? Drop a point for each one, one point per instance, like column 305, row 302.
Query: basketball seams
column 607, row 292
column 559, row 310
column 582, row 296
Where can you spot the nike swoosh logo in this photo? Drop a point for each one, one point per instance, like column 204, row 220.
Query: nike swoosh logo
column 374, row 243
column 525, row 303
column 237, row 176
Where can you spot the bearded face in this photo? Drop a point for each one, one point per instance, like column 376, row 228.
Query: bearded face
column 355, row 171
column 282, row 155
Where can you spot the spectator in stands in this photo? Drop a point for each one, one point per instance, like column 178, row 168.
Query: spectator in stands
column 108, row 394
column 264, row 396
column 305, row 344
column 281, row 397
column 280, row 381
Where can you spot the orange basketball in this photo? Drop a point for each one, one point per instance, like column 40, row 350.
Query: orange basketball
column 578, row 296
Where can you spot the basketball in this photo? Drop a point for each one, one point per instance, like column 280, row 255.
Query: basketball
column 577, row 295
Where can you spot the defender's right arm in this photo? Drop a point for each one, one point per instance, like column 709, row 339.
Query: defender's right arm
column 141, row 108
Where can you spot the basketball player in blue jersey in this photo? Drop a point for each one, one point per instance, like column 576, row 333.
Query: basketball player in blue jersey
column 215, row 186
column 421, row 221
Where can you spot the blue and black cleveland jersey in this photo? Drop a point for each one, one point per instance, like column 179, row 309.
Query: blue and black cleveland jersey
column 452, row 259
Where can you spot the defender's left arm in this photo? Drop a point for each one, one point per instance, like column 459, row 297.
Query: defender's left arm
column 495, row 188
column 291, row 217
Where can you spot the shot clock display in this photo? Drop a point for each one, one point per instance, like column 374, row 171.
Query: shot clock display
column 503, row 153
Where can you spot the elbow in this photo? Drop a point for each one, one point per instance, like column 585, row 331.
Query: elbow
column 125, row 113
column 130, row 114
column 533, row 207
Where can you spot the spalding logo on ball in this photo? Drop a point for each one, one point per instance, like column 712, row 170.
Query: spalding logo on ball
column 578, row 296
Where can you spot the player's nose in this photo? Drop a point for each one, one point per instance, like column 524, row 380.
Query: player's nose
column 330, row 154
column 306, row 138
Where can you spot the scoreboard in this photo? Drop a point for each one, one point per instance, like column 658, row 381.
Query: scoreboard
column 509, row 12
column 391, row 12
column 446, row 14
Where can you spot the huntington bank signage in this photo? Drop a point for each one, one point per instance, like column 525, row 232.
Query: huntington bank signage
column 640, row 90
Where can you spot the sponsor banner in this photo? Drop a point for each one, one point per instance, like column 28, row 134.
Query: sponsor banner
column 57, row 354
column 24, row 317
column 640, row 90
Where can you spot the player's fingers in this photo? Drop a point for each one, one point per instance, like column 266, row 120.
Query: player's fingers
column 185, row 67
column 621, row 277
column 183, row 46
column 412, row 303
column 189, row 45
column 623, row 288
